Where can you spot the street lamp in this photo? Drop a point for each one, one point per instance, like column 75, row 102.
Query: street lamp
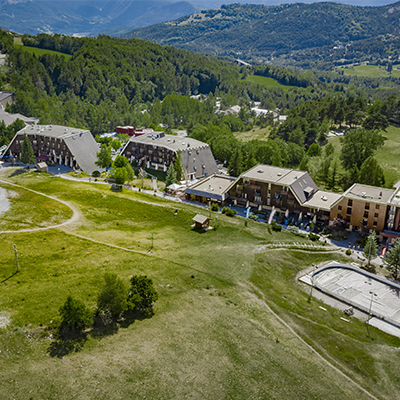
column 370, row 309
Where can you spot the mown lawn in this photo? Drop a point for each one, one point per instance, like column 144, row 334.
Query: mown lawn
column 212, row 334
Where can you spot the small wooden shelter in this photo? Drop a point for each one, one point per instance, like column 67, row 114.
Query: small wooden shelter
column 201, row 221
column 42, row 167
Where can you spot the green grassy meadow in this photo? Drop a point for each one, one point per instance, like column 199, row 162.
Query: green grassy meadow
column 231, row 321
column 41, row 52
column 268, row 82
column 370, row 71
column 387, row 156
column 255, row 133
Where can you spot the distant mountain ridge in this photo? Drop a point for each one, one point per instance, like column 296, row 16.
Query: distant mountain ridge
column 267, row 31
column 87, row 16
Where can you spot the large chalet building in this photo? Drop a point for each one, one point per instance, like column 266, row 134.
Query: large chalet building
column 157, row 151
column 288, row 191
column 282, row 190
column 72, row 147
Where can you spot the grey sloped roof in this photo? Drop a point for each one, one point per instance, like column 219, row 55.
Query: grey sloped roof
column 85, row 149
column 200, row 161
column 201, row 219
column 10, row 118
column 213, row 187
column 170, row 142
column 304, row 187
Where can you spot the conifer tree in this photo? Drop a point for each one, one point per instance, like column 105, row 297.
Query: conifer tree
column 171, row 175
column 27, row 155
column 178, row 166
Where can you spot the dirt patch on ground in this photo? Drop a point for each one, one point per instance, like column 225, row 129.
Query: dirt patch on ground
column 4, row 320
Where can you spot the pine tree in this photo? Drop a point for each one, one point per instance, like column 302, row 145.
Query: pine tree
column 27, row 155
column 236, row 163
column 178, row 166
column 171, row 175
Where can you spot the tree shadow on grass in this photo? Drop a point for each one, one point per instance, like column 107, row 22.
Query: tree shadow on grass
column 138, row 315
column 19, row 171
column 67, row 344
column 106, row 327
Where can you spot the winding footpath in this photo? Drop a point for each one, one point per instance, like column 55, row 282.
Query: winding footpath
column 250, row 287
column 75, row 212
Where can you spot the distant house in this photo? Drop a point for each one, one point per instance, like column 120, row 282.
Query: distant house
column 72, row 147
column 6, row 98
column 131, row 131
column 10, row 118
column 157, row 151
column 201, row 221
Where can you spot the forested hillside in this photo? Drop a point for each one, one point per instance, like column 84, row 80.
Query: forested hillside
column 108, row 82
column 87, row 16
column 251, row 31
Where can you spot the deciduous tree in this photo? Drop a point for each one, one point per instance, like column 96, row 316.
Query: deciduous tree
column 113, row 296
column 142, row 293
column 75, row 316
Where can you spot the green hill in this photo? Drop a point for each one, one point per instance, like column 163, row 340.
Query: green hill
column 248, row 31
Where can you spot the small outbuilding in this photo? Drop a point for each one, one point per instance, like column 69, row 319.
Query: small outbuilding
column 201, row 221
column 42, row 167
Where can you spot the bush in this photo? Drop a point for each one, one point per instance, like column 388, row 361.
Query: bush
column 96, row 174
column 348, row 252
column 227, row 211
column 75, row 315
column 276, row 227
column 214, row 207
column 314, row 237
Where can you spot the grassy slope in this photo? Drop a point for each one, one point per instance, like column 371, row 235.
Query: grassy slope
column 40, row 52
column 255, row 133
column 388, row 156
column 370, row 71
column 268, row 82
column 212, row 335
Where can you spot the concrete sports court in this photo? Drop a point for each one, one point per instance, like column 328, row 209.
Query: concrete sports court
column 374, row 295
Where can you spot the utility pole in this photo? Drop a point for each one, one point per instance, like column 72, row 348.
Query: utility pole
column 16, row 256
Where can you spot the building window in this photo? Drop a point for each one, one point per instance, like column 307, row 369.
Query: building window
column 350, row 203
column 365, row 214
column 367, row 206
column 348, row 211
column 375, row 224
column 377, row 206
column 339, row 208
column 257, row 199
column 376, row 215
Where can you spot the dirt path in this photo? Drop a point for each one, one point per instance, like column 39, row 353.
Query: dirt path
column 75, row 212
column 325, row 360
column 251, row 288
